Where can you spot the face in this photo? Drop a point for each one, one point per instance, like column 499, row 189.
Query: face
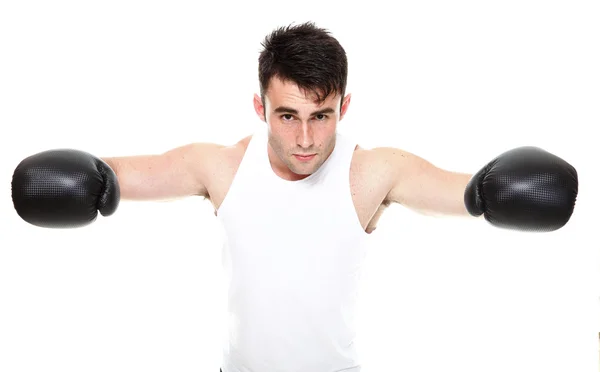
column 301, row 131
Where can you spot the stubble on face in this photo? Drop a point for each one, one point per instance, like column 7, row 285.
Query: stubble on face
column 298, row 167
column 288, row 138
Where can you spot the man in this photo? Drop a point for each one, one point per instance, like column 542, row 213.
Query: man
column 298, row 202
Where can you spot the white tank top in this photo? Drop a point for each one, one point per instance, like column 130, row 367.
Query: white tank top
column 293, row 256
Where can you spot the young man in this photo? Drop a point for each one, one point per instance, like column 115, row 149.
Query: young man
column 297, row 201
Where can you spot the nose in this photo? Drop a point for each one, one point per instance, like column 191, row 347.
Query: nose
column 305, row 137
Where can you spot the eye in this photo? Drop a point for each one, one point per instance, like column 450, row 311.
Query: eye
column 321, row 117
column 287, row 117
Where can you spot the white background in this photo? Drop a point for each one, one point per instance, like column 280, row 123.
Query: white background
column 455, row 82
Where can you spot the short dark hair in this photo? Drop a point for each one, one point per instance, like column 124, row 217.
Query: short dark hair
column 306, row 55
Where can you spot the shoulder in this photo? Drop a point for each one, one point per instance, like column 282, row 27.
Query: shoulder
column 388, row 158
column 382, row 159
column 220, row 160
column 235, row 152
column 215, row 165
column 382, row 167
column 214, row 153
column 372, row 163
column 370, row 167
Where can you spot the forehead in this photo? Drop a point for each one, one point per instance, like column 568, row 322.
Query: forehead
column 289, row 94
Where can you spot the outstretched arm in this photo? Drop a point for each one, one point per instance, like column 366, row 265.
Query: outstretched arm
column 526, row 188
column 67, row 188
column 177, row 173
column 421, row 186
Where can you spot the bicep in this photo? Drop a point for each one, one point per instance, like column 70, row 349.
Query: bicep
column 422, row 186
column 176, row 173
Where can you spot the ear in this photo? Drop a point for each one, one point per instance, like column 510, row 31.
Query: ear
column 259, row 108
column 345, row 104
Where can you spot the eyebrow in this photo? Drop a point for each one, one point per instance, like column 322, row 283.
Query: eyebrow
column 284, row 109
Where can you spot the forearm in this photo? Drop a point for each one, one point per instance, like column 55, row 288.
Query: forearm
column 453, row 197
column 438, row 193
column 137, row 178
column 423, row 187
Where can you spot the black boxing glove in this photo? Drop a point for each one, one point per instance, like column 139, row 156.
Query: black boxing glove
column 64, row 189
column 525, row 189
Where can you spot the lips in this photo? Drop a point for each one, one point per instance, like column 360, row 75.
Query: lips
column 304, row 157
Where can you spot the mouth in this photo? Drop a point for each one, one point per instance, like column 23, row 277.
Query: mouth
column 304, row 157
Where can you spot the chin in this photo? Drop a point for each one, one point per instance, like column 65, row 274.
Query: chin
column 304, row 169
column 301, row 171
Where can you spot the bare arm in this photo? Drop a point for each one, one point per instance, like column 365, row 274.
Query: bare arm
column 177, row 173
column 419, row 185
